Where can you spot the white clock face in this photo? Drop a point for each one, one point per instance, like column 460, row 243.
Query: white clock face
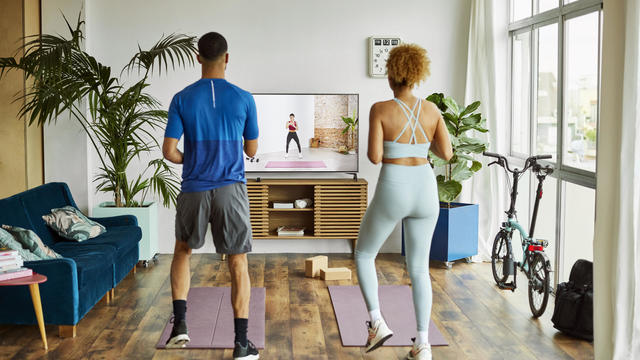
column 379, row 49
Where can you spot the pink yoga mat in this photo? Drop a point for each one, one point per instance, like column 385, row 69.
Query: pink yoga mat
column 293, row 164
column 396, row 305
column 210, row 319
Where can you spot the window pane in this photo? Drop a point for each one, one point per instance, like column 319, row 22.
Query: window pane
column 547, row 94
column 581, row 91
column 520, row 9
column 569, row 1
column 520, row 109
column 544, row 5
column 579, row 223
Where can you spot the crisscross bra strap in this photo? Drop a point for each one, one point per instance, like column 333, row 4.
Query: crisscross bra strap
column 412, row 120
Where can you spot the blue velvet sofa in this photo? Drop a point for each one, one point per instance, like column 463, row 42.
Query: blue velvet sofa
column 85, row 274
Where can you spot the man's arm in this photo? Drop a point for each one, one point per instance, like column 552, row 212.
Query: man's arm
column 251, row 147
column 170, row 150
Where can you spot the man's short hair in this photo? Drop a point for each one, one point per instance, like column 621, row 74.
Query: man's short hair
column 292, row 115
column 211, row 46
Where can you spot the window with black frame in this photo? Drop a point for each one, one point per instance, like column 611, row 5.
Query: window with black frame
column 555, row 52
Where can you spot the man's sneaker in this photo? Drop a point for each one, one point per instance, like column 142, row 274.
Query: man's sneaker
column 299, row 155
column 419, row 352
column 286, row 155
column 378, row 334
column 248, row 352
column 179, row 337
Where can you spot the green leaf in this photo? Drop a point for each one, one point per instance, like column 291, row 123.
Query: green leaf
column 474, row 119
column 448, row 191
column 470, row 109
column 477, row 165
column 437, row 98
column 461, row 172
column 472, row 148
column 452, row 105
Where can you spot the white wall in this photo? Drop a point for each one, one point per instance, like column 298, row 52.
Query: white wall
column 286, row 46
column 66, row 147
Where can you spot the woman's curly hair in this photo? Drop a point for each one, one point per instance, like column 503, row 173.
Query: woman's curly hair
column 408, row 65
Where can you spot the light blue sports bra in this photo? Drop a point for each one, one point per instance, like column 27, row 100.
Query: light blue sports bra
column 394, row 149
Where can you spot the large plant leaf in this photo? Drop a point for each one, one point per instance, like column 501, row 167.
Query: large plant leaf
column 470, row 109
column 448, row 191
column 461, row 172
column 474, row 119
column 175, row 50
column 472, row 148
column 452, row 106
column 475, row 166
column 436, row 161
column 437, row 98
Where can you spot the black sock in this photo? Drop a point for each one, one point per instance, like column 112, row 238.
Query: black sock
column 241, row 326
column 179, row 310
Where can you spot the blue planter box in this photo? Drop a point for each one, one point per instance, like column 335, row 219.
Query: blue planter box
column 456, row 233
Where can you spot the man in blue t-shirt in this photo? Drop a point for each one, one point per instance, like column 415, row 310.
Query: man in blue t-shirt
column 214, row 116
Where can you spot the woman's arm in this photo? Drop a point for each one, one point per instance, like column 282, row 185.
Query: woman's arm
column 375, row 135
column 441, row 144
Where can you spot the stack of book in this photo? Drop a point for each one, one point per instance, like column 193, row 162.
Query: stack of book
column 290, row 231
column 11, row 265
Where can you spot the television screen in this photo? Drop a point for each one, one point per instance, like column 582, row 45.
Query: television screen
column 306, row 132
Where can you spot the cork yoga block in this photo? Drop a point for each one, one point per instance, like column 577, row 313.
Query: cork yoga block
column 341, row 273
column 313, row 265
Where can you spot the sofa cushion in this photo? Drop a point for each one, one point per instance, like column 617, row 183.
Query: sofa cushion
column 39, row 201
column 31, row 242
column 70, row 223
column 92, row 260
column 123, row 238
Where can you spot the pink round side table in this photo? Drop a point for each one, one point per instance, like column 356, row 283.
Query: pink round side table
column 34, row 289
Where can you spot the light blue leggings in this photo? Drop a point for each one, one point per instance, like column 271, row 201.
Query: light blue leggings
column 410, row 194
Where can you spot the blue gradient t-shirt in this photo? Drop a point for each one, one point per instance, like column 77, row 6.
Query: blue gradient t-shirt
column 214, row 115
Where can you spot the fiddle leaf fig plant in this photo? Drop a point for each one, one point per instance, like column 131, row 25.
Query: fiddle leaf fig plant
column 459, row 121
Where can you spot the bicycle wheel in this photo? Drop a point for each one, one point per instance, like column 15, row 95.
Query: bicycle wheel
column 498, row 252
column 538, row 285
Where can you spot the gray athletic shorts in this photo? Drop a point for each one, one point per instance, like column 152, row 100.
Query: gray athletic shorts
column 227, row 210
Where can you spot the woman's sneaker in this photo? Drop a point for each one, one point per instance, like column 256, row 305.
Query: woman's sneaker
column 378, row 334
column 419, row 352
column 179, row 335
column 248, row 352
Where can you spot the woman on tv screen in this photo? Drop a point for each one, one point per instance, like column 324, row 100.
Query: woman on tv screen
column 292, row 125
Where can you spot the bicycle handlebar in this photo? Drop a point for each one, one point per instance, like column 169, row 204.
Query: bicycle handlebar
column 502, row 161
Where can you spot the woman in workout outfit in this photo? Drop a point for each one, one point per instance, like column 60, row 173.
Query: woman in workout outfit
column 292, row 126
column 401, row 132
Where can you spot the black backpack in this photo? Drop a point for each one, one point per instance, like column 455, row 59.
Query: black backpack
column 573, row 312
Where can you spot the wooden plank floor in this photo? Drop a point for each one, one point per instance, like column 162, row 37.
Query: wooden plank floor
column 478, row 320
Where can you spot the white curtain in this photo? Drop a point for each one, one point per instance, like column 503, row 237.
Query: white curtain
column 617, row 241
column 626, row 279
column 486, row 82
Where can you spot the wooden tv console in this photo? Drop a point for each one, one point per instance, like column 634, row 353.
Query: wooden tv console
column 336, row 212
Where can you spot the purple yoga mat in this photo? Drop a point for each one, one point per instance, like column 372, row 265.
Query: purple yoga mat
column 210, row 319
column 296, row 164
column 396, row 305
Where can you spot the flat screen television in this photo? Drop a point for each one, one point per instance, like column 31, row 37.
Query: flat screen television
column 305, row 133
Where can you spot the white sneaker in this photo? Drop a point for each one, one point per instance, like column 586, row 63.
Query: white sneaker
column 300, row 155
column 378, row 334
column 419, row 352
column 286, row 155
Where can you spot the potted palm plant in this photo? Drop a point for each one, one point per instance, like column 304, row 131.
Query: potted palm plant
column 119, row 120
column 456, row 233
